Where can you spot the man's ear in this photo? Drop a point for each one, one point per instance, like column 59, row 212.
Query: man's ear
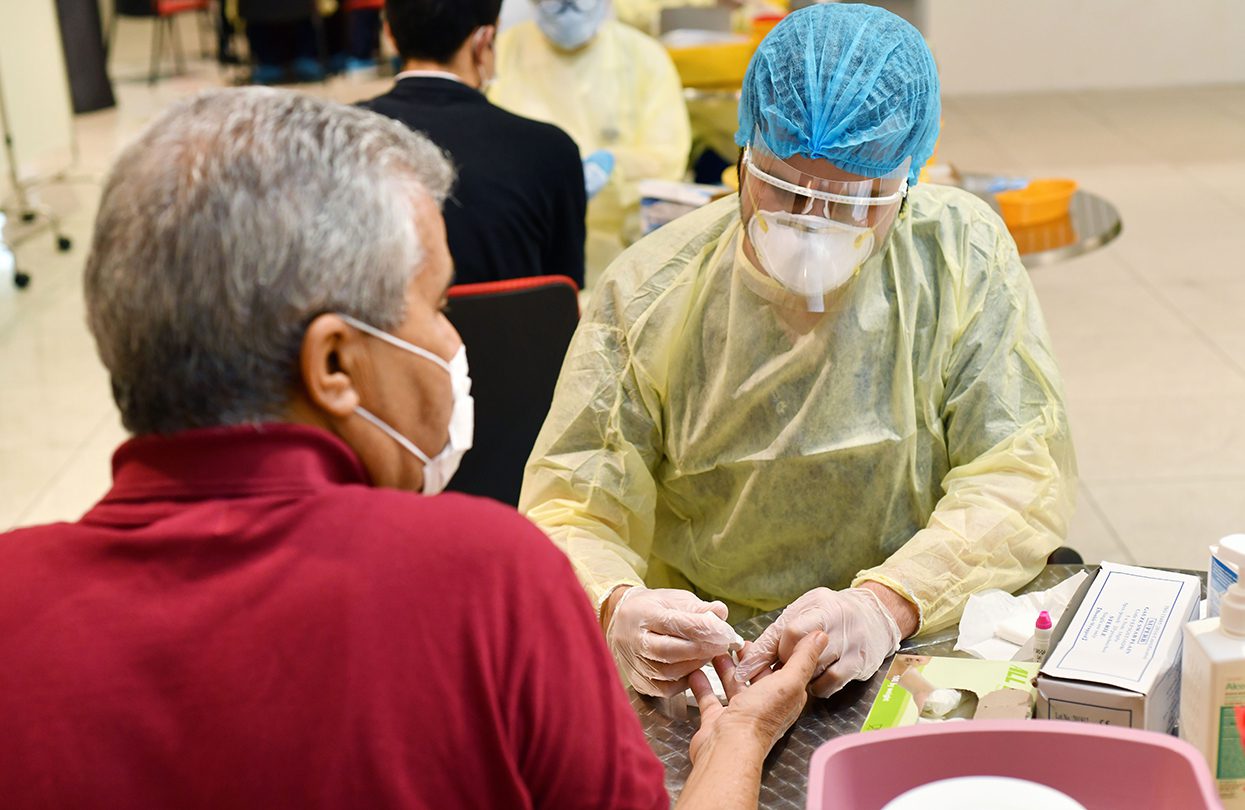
column 485, row 38
column 328, row 362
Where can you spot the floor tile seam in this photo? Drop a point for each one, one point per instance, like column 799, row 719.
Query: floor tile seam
column 1087, row 496
column 64, row 468
column 1193, row 324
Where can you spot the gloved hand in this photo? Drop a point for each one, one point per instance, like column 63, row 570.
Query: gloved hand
column 597, row 170
column 660, row 636
column 862, row 634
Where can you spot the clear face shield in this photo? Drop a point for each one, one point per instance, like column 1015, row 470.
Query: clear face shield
column 558, row 6
column 811, row 226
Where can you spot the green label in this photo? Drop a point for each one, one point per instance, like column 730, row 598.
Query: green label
column 891, row 701
column 1231, row 758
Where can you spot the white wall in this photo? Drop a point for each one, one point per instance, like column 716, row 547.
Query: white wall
column 1001, row 46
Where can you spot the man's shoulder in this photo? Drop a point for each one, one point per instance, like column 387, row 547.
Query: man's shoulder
column 547, row 136
column 661, row 257
column 965, row 243
column 949, row 205
column 452, row 527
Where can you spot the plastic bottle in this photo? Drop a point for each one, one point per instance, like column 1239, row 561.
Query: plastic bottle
column 1041, row 637
column 1212, row 685
column 1226, row 560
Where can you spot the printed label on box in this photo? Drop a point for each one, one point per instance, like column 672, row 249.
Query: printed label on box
column 1084, row 713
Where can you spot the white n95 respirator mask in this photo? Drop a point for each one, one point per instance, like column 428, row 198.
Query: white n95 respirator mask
column 438, row 469
column 811, row 233
column 809, row 255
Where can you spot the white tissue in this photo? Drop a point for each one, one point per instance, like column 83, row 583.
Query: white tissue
column 941, row 702
column 991, row 614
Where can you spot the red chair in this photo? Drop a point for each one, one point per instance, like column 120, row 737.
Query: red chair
column 363, row 5
column 163, row 13
column 516, row 333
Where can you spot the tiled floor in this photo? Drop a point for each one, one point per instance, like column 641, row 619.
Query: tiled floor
column 1149, row 331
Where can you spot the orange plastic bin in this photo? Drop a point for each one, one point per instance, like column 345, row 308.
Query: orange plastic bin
column 1040, row 201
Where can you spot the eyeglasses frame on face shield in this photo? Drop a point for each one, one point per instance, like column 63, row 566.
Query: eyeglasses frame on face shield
column 559, row 6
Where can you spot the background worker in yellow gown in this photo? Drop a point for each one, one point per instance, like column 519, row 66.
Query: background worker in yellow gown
column 615, row 91
column 835, row 392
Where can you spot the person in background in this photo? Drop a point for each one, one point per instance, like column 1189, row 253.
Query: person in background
column 281, row 37
column 273, row 606
column 518, row 206
column 615, row 91
column 363, row 26
column 834, row 392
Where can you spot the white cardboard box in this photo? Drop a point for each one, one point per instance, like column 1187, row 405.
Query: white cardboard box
column 1115, row 657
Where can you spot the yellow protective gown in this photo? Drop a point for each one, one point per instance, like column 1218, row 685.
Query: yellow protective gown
column 709, row 433
column 646, row 14
column 621, row 93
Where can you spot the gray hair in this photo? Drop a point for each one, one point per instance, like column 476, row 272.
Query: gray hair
column 233, row 220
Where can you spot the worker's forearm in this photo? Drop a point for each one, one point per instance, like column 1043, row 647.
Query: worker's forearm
column 905, row 613
column 610, row 603
column 727, row 773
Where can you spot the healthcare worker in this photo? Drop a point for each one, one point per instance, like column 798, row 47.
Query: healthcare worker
column 834, row 393
column 615, row 91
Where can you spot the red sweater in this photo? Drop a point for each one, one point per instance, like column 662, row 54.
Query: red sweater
column 244, row 622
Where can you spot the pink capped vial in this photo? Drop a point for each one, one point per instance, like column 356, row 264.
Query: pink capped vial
column 1043, row 621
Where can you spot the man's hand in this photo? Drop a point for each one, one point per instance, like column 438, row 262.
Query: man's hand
column 761, row 712
column 862, row 634
column 660, row 636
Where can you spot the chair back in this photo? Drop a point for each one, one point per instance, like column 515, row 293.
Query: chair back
column 135, row 8
column 167, row 8
column 516, row 333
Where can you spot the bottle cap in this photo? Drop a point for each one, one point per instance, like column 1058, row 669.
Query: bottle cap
column 1043, row 621
column 1231, row 549
column 1232, row 610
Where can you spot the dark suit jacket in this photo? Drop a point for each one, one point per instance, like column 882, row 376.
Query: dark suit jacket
column 517, row 208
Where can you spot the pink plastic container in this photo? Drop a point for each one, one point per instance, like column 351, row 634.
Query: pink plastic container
column 1099, row 766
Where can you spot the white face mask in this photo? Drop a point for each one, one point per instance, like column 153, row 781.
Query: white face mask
column 809, row 255
column 570, row 23
column 439, row 469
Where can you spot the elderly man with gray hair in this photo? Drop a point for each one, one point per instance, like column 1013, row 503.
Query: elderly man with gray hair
column 267, row 609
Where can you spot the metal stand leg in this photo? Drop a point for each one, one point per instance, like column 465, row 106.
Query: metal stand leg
column 157, row 43
column 179, row 60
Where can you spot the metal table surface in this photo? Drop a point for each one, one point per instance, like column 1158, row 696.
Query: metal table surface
column 1091, row 223
column 785, row 782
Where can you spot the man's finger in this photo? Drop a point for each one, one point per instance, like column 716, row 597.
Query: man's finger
column 725, row 667
column 705, row 699
column 803, row 661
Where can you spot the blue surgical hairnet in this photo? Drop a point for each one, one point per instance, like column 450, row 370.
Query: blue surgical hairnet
column 849, row 83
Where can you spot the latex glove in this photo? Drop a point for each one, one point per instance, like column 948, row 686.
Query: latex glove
column 862, row 634
column 659, row 636
column 597, row 170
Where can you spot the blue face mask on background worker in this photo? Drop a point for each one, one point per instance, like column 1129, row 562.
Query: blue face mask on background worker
column 570, row 23
column 713, row 435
